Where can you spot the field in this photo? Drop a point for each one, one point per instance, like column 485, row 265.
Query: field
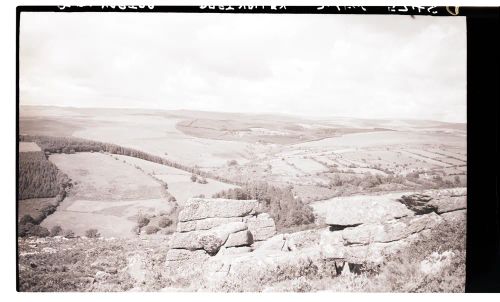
column 179, row 182
column 158, row 132
column 308, row 154
column 282, row 150
column 107, row 195
column 110, row 191
column 29, row 147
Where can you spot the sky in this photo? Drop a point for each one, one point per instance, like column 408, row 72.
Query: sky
column 307, row 65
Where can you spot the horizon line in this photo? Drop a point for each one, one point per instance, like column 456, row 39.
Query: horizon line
column 247, row 113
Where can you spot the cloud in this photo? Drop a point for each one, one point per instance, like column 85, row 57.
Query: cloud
column 318, row 65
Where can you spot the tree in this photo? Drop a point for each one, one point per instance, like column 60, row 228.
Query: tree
column 164, row 222
column 27, row 219
column 92, row 233
column 142, row 221
column 29, row 229
column 193, row 177
column 55, row 231
column 232, row 162
column 286, row 209
column 69, row 234
column 152, row 229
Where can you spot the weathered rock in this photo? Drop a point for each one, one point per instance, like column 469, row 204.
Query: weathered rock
column 208, row 240
column 374, row 253
column 302, row 239
column 446, row 204
column 211, row 243
column 202, row 208
column 234, row 250
column 262, row 226
column 205, row 224
column 182, row 254
column 452, row 192
column 224, row 230
column 418, row 203
column 186, row 226
column 331, row 244
column 185, row 267
column 189, row 241
column 455, row 216
column 255, row 271
column 276, row 243
column 391, row 230
column 239, row 239
column 355, row 212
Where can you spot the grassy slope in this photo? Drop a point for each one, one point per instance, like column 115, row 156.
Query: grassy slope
column 108, row 195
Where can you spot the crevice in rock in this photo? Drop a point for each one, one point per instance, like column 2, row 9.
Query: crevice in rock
column 418, row 203
column 454, row 210
column 355, row 244
column 217, row 217
column 338, row 227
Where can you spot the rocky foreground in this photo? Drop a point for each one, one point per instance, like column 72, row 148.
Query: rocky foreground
column 228, row 245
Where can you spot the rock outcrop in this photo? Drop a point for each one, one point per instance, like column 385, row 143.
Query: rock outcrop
column 370, row 240
column 261, row 226
column 203, row 208
column 389, row 231
column 418, row 203
column 209, row 227
column 253, row 271
column 349, row 213
column 243, row 251
column 450, row 204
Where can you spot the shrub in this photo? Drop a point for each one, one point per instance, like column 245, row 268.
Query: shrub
column 48, row 209
column 172, row 199
column 142, row 221
column 286, row 209
column 152, row 229
column 55, row 231
column 202, row 180
column 413, row 175
column 24, row 229
column 164, row 222
column 29, row 229
column 194, row 177
column 69, row 234
column 39, row 231
column 402, row 273
column 136, row 230
column 232, row 162
column 92, row 233
column 27, row 219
